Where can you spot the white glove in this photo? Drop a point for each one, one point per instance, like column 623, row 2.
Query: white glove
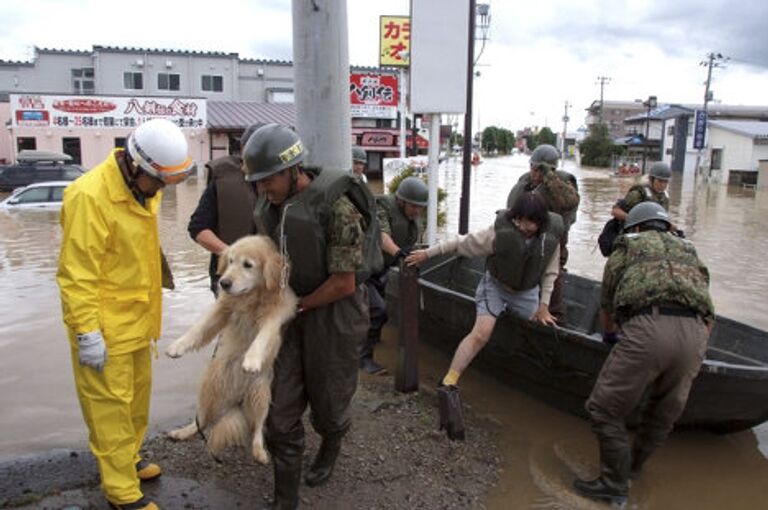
column 92, row 350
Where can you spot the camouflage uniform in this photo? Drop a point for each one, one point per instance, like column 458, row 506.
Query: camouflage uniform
column 318, row 361
column 657, row 288
column 560, row 191
column 642, row 193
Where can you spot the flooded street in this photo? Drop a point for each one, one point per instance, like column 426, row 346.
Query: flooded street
column 542, row 446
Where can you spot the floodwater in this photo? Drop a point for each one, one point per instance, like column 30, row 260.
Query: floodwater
column 543, row 447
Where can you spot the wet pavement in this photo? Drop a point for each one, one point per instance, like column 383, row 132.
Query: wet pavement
column 543, row 448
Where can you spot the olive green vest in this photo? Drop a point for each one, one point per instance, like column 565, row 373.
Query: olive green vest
column 405, row 232
column 305, row 217
column 516, row 263
column 660, row 268
column 235, row 199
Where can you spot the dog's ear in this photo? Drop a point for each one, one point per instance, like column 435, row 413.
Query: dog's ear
column 273, row 264
column 223, row 262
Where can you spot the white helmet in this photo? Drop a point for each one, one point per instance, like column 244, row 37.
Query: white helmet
column 160, row 149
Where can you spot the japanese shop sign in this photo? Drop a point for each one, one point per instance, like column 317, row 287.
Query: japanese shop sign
column 373, row 95
column 394, row 41
column 38, row 110
column 699, row 129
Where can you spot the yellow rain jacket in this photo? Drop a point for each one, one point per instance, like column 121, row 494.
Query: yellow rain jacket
column 109, row 267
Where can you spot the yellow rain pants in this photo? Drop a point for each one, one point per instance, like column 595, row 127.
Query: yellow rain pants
column 115, row 405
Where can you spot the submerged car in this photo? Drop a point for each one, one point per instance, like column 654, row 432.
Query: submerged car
column 38, row 166
column 40, row 195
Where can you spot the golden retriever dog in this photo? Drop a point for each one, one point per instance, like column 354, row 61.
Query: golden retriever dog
column 249, row 313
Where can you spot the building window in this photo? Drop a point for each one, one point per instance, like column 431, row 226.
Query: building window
column 71, row 146
column 120, row 142
column 133, row 80
column 213, row 83
column 26, row 143
column 717, row 159
column 671, row 130
column 279, row 96
column 82, row 81
column 168, row 81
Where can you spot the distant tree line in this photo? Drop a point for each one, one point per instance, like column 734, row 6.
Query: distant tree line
column 497, row 140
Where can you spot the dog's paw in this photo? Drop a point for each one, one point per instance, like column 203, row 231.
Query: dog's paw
column 252, row 364
column 177, row 349
column 260, row 454
column 183, row 433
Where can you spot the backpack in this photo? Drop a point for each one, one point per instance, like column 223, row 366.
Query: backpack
column 611, row 230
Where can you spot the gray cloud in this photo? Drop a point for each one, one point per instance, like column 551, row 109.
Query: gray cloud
column 679, row 28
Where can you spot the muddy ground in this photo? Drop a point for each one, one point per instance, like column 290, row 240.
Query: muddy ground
column 393, row 457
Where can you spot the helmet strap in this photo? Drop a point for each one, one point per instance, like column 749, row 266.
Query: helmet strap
column 294, row 187
column 131, row 171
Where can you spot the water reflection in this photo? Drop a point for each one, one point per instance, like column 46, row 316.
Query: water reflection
column 40, row 410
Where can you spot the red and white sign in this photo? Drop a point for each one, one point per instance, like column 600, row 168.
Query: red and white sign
column 373, row 95
column 39, row 110
column 377, row 139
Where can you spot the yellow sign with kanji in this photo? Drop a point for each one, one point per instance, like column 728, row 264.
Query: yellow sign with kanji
column 395, row 41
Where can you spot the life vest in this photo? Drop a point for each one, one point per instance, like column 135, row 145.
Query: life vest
column 405, row 232
column 299, row 226
column 519, row 264
column 235, row 199
column 660, row 268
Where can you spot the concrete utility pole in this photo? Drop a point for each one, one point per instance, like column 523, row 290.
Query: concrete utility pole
column 321, row 78
column 713, row 60
column 602, row 80
column 565, row 131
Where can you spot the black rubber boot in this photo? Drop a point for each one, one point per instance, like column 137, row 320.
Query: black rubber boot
column 612, row 486
column 451, row 412
column 286, row 460
column 322, row 467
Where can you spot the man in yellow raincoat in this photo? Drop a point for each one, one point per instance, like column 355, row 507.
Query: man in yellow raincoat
column 110, row 277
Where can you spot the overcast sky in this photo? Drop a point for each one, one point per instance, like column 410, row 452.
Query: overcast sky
column 540, row 54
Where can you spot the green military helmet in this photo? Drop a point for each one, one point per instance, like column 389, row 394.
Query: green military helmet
column 660, row 170
column 414, row 191
column 545, row 155
column 271, row 149
column 646, row 211
column 359, row 156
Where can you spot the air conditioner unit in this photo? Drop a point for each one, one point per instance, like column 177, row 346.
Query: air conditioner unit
column 139, row 62
column 260, row 72
column 168, row 64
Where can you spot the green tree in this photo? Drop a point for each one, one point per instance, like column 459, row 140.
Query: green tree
column 489, row 139
column 545, row 135
column 505, row 141
column 597, row 148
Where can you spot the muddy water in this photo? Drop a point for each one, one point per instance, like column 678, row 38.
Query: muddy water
column 543, row 447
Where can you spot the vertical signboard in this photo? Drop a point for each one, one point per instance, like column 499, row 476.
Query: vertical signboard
column 699, row 129
column 439, row 37
column 394, row 41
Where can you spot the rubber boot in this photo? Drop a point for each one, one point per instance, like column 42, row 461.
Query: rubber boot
column 450, row 411
column 612, row 486
column 286, row 460
column 322, row 467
